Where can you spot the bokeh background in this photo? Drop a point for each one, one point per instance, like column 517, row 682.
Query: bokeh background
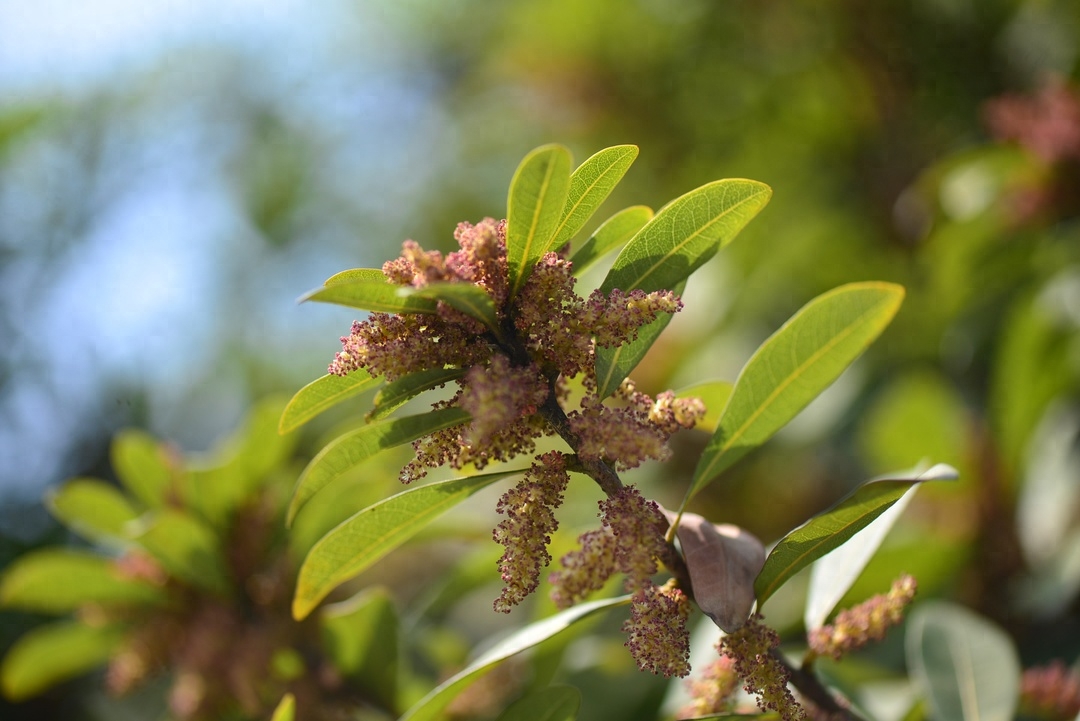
column 173, row 175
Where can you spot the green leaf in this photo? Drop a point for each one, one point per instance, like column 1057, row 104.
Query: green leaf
column 323, row 394
column 833, row 575
column 685, row 234
column 57, row 580
column 829, row 530
column 613, row 365
column 92, row 508
column 793, row 366
column 370, row 534
column 374, row 295
column 185, row 547
column 715, row 395
column 286, row 709
column 965, row 666
column 612, row 234
column 554, row 703
column 470, row 299
column 57, row 652
column 143, row 467
column 350, row 450
column 590, row 185
column 431, row 706
column 360, row 636
column 371, row 275
column 393, row 395
column 534, row 208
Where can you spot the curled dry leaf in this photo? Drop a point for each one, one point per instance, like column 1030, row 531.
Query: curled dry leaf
column 723, row 561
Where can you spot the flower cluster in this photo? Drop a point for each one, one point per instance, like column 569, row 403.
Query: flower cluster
column 763, row 675
column 1050, row 692
column 656, row 630
column 857, row 626
column 711, row 691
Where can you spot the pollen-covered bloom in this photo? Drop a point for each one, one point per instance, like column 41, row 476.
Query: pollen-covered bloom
column 1050, row 692
column 711, row 690
column 498, row 395
column 857, row 626
column 656, row 630
column 526, row 531
column 585, row 569
column 763, row 675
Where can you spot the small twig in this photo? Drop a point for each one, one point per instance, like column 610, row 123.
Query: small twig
column 811, row 688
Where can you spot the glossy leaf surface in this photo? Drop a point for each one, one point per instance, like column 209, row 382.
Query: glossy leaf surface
column 534, row 208
column 965, row 666
column 828, row 530
column 590, row 185
column 370, row 534
column 57, row 652
column 614, row 233
column 393, row 395
column 373, row 295
column 794, row 366
column 431, row 706
column 323, row 394
column 685, row 234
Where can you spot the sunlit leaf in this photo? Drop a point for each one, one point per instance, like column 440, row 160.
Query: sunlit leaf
column 370, row 534
column 350, row 450
column 360, row 636
column 470, row 299
column 57, row 652
column 393, row 395
column 613, row 365
column 92, row 508
column 685, row 234
column 534, row 208
column 829, row 530
column 373, row 275
column 373, row 295
column 59, row 580
column 286, row 709
column 431, row 706
column 554, row 703
column 323, row 394
column 185, row 547
column 142, row 466
column 590, row 186
column 715, row 395
column 965, row 666
column 613, row 233
column 833, row 575
column 793, row 366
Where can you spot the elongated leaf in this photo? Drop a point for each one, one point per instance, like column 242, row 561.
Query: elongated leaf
column 372, row 275
column 350, row 450
column 554, row 703
column 590, row 185
column 614, row 233
column 286, row 709
column 828, row 530
column 57, row 652
column 965, row 666
column 715, row 395
column 361, row 637
column 685, row 234
column 373, row 295
column 92, row 508
column 142, row 466
column 58, row 580
column 793, row 366
column 391, row 396
column 613, row 365
column 833, row 575
column 432, row 705
column 367, row 536
column 323, row 394
column 472, row 300
column 534, row 209
column 185, row 547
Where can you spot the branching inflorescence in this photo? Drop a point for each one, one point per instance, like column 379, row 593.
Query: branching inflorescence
column 514, row 389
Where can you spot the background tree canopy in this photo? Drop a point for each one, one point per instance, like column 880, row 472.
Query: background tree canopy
column 173, row 178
